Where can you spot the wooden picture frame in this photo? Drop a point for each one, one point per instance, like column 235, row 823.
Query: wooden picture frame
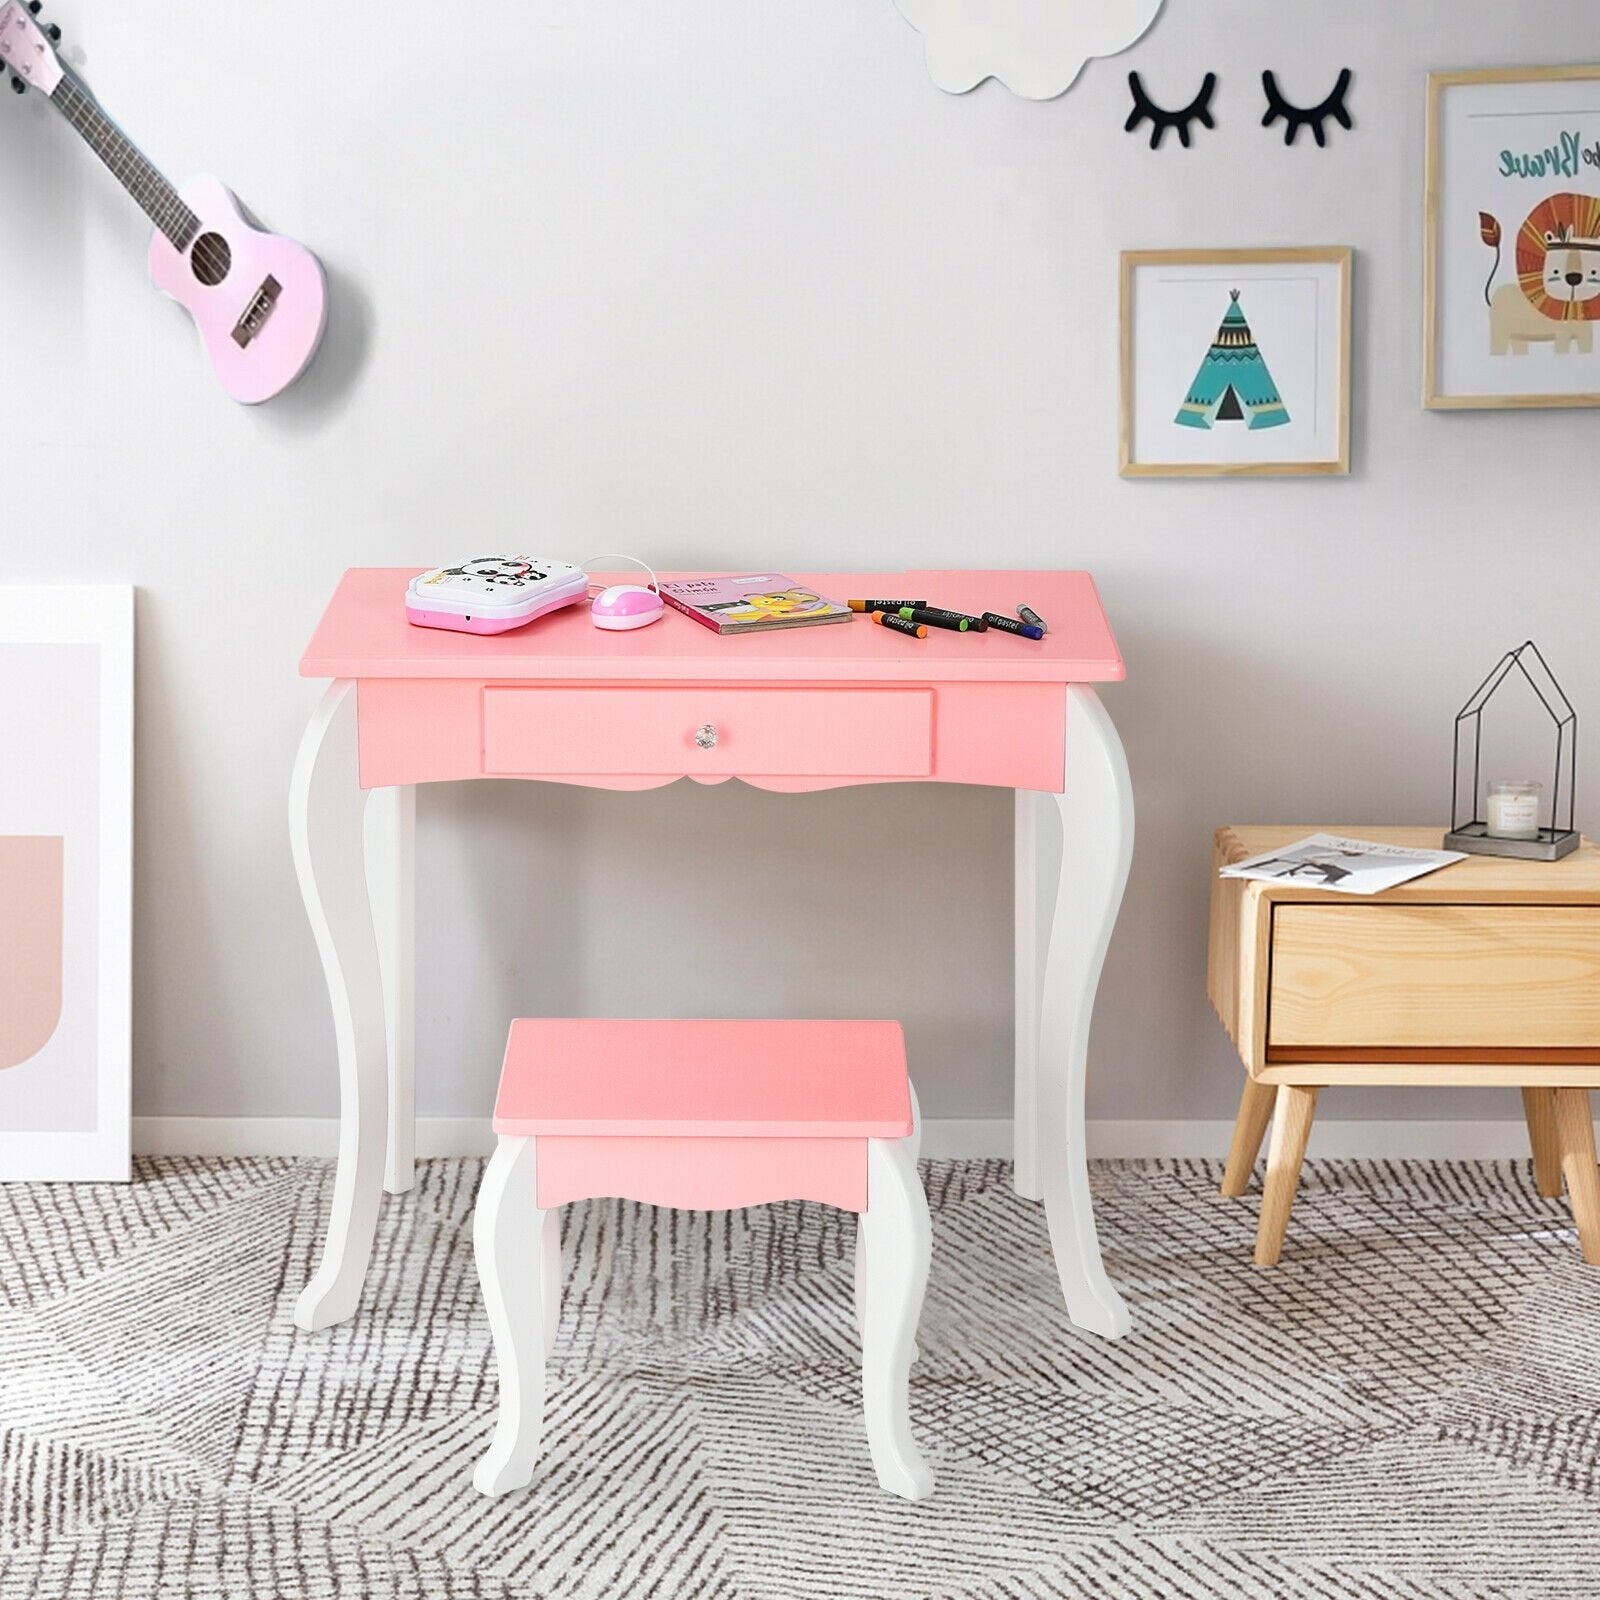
column 1512, row 166
column 1180, row 416
column 66, row 882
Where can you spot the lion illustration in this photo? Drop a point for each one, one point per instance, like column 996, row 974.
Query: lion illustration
column 1556, row 297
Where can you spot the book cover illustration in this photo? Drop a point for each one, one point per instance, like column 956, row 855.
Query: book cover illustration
column 748, row 604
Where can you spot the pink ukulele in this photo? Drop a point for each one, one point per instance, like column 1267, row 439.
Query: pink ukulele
column 257, row 298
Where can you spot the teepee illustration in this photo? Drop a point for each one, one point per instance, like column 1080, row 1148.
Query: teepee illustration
column 1233, row 382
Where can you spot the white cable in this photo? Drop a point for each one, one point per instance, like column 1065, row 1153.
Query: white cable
column 617, row 555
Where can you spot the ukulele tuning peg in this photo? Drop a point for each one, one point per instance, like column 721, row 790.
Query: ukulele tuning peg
column 19, row 86
column 36, row 6
column 54, row 31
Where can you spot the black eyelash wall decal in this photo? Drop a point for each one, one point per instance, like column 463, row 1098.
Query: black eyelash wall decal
column 1295, row 117
column 1160, row 119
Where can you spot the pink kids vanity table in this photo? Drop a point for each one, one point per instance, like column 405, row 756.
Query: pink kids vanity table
column 798, row 709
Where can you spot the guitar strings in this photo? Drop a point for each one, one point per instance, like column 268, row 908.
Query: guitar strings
column 132, row 169
column 143, row 181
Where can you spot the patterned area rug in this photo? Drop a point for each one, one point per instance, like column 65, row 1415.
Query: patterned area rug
column 1408, row 1407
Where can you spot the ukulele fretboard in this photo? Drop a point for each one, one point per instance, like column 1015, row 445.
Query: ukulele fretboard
column 155, row 196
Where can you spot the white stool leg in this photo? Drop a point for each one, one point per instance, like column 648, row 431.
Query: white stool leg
column 898, row 1240
column 913, row 1143
column 507, row 1233
column 550, row 1277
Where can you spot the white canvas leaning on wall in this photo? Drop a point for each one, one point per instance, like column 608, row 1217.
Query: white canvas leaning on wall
column 1235, row 362
column 66, row 841
column 1512, row 292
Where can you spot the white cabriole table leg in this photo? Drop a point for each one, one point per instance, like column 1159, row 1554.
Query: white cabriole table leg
column 1096, row 817
column 391, row 853
column 1025, row 1075
column 326, row 809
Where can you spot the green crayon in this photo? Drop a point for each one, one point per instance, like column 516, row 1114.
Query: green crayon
column 938, row 617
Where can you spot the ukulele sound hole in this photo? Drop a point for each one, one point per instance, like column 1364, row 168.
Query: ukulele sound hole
column 210, row 257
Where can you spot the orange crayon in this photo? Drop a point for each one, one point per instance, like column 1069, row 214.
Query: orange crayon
column 900, row 624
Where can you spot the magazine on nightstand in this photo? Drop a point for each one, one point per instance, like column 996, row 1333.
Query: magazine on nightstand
column 1350, row 866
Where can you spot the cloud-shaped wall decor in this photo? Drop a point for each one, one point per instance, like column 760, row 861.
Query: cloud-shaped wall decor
column 1036, row 48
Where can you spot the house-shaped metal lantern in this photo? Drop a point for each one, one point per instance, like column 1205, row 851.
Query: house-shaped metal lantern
column 1467, row 829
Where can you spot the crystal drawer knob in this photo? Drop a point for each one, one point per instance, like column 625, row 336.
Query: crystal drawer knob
column 706, row 735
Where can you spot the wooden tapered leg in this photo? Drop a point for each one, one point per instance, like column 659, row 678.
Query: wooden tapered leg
column 1255, row 1112
column 1538, row 1107
column 1575, row 1132
column 1291, row 1128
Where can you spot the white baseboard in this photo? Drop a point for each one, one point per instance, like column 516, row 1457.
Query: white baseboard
column 1337, row 1140
column 942, row 1136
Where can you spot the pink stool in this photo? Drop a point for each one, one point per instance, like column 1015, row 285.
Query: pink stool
column 705, row 1115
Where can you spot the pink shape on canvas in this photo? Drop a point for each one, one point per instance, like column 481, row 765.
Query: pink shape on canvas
column 31, row 900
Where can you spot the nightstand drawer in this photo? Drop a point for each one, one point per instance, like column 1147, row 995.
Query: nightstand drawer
column 1436, row 977
column 708, row 732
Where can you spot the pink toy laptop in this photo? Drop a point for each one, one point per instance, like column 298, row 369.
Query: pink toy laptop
column 492, row 594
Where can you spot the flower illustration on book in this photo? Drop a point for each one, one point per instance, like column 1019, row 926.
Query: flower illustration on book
column 1233, row 383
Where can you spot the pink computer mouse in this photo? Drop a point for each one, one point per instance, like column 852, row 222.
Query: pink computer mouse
column 625, row 605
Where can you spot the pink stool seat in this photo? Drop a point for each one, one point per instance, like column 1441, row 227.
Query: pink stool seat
column 704, row 1115
column 718, row 1079
column 628, row 1107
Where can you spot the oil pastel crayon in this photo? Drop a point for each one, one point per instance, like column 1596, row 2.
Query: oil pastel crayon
column 883, row 605
column 1028, row 630
column 1028, row 614
column 900, row 624
column 938, row 617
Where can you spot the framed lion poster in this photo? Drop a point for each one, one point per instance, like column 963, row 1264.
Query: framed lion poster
column 1511, row 300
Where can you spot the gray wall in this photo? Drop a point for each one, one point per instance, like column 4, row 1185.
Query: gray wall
column 734, row 285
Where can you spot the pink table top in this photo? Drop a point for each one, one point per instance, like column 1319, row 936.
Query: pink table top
column 687, row 1079
column 364, row 634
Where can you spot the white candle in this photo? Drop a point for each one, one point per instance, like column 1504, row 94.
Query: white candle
column 1514, row 809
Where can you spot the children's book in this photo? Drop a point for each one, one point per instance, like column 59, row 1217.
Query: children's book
column 752, row 603
column 1351, row 866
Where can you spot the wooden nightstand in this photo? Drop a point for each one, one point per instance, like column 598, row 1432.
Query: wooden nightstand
column 1485, row 972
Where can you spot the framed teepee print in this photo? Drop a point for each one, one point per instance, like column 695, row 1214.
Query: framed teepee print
column 1235, row 362
column 1511, row 295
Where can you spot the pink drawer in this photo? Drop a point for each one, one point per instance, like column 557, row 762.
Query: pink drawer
column 845, row 733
